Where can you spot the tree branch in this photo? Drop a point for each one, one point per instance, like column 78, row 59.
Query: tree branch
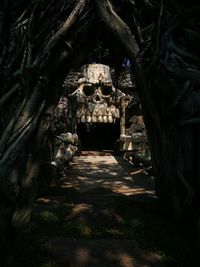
column 59, row 34
column 9, row 94
column 118, row 27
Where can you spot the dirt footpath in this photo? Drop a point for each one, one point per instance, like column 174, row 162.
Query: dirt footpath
column 111, row 172
column 93, row 186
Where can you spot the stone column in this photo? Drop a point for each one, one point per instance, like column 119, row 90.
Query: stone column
column 122, row 117
column 122, row 124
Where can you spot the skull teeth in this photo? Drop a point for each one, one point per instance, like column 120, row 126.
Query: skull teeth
column 105, row 119
column 99, row 115
column 94, row 118
column 83, row 120
column 88, row 119
column 100, row 119
column 110, row 119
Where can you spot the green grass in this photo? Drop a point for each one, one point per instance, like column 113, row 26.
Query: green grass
column 174, row 243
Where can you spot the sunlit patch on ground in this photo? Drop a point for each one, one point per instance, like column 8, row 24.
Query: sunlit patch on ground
column 104, row 213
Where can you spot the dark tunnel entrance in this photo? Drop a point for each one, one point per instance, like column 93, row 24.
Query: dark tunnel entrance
column 99, row 136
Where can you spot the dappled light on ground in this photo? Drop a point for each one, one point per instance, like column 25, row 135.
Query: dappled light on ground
column 108, row 253
column 89, row 172
column 102, row 212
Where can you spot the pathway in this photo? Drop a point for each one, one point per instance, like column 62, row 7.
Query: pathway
column 102, row 191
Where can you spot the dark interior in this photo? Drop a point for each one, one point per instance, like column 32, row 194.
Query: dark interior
column 99, row 136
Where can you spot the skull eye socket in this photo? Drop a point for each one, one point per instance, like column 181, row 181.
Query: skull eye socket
column 106, row 90
column 88, row 90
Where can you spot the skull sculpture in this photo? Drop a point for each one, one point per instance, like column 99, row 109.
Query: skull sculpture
column 97, row 100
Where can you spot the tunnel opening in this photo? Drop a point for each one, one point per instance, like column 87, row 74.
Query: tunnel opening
column 99, row 136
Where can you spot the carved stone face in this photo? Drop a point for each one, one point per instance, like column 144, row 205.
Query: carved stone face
column 98, row 100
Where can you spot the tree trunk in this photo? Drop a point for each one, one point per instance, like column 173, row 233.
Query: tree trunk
column 32, row 75
column 171, row 68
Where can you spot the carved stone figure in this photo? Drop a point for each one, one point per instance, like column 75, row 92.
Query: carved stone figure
column 96, row 99
column 64, row 148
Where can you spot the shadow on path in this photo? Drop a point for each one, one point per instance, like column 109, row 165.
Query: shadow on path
column 100, row 192
column 102, row 213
